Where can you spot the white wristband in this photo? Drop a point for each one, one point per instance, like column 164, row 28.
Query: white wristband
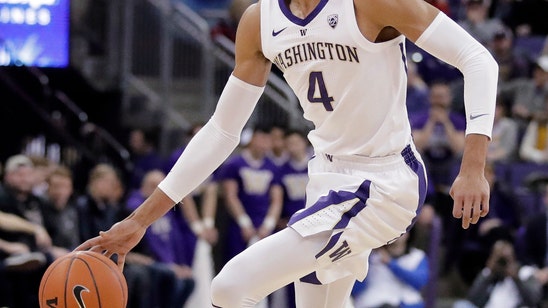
column 197, row 227
column 244, row 221
column 269, row 223
column 208, row 222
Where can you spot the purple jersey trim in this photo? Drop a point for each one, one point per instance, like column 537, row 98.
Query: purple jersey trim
column 296, row 20
column 403, row 58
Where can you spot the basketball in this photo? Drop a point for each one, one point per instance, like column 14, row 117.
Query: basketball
column 83, row 279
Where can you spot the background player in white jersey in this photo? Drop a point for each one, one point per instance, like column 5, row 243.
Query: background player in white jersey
column 345, row 59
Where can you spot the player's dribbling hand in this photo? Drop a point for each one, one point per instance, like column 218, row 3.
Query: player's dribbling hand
column 119, row 240
column 470, row 198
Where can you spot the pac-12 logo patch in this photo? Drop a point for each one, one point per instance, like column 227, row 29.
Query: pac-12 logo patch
column 333, row 20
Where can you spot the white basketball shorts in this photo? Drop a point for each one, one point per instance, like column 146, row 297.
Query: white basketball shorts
column 364, row 203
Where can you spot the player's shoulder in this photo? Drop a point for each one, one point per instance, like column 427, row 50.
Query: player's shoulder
column 250, row 21
column 252, row 13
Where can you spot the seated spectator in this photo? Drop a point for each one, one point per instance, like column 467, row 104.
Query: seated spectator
column 504, row 140
column 19, row 266
column 534, row 144
column 397, row 274
column 14, row 224
column 477, row 21
column 144, row 154
column 16, row 198
column 42, row 169
column 513, row 62
column 527, row 96
column 503, row 282
column 439, row 135
column 61, row 215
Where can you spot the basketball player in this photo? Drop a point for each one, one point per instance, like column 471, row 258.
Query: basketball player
column 346, row 61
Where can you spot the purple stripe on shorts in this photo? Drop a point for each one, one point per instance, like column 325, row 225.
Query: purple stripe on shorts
column 296, row 20
column 311, row 278
column 332, row 241
column 415, row 165
column 333, row 197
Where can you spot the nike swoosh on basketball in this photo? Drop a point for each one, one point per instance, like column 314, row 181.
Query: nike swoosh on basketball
column 77, row 292
column 275, row 33
column 475, row 116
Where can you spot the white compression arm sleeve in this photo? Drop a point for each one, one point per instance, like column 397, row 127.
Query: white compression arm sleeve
column 447, row 41
column 209, row 148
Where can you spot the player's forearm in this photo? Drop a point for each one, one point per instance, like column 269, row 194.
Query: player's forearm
column 153, row 208
column 474, row 154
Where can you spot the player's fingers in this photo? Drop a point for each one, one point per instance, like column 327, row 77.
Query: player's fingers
column 88, row 244
column 97, row 249
column 121, row 261
column 108, row 254
column 476, row 212
column 466, row 215
column 485, row 206
column 457, row 208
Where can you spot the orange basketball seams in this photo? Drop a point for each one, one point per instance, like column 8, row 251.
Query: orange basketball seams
column 83, row 279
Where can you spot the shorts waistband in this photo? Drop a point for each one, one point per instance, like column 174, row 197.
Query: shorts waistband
column 406, row 155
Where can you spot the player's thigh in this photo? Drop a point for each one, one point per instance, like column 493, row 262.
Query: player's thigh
column 271, row 263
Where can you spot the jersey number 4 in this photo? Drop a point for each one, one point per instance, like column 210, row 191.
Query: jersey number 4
column 316, row 82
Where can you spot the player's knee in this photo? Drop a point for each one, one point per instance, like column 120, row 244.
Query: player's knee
column 224, row 291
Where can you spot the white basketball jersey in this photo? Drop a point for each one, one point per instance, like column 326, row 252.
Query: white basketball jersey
column 353, row 90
